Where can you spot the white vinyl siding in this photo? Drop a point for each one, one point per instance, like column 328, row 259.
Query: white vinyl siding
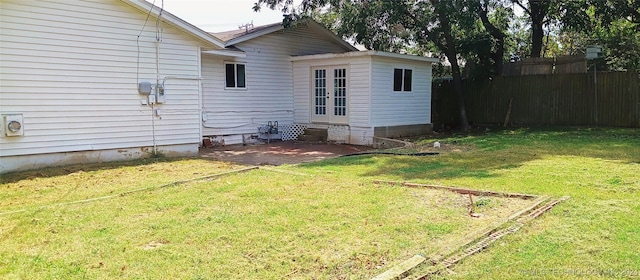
column 391, row 107
column 70, row 67
column 269, row 75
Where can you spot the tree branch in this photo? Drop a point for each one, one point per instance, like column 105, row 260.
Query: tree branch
column 517, row 2
column 484, row 17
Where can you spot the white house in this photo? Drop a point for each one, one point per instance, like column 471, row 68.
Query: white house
column 308, row 77
column 102, row 80
column 69, row 80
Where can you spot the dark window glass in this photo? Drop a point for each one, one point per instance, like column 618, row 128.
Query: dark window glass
column 397, row 79
column 230, row 75
column 241, row 76
column 407, row 79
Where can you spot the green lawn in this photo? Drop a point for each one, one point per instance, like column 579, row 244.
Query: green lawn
column 326, row 219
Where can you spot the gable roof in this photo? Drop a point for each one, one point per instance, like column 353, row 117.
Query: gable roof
column 175, row 21
column 233, row 37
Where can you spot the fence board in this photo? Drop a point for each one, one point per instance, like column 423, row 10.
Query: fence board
column 608, row 99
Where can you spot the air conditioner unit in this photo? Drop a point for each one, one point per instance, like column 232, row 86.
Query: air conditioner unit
column 13, row 125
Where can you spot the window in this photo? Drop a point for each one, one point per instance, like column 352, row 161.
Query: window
column 235, row 75
column 402, row 79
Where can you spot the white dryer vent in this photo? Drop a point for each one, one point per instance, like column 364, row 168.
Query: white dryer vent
column 12, row 125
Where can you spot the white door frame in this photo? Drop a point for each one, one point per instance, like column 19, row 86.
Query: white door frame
column 330, row 94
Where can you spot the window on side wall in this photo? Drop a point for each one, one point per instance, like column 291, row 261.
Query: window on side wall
column 402, row 79
column 235, row 75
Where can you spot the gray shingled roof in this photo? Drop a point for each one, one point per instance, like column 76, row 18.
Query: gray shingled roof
column 226, row 36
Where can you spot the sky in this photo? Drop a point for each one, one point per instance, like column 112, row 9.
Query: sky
column 219, row 15
column 225, row 15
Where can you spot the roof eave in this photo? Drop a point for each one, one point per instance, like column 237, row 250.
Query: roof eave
column 365, row 53
column 226, row 53
column 183, row 25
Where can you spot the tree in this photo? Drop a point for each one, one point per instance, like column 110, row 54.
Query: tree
column 539, row 13
column 615, row 24
column 485, row 44
column 496, row 32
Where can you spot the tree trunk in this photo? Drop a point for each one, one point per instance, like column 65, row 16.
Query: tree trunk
column 537, row 34
column 498, row 37
column 457, row 88
column 452, row 56
column 498, row 57
column 538, row 12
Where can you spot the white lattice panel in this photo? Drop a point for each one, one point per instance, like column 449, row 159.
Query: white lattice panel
column 291, row 131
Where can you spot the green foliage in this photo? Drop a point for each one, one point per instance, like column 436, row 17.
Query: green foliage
column 621, row 42
column 614, row 24
column 563, row 28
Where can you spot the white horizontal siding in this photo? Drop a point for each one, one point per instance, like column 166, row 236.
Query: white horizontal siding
column 269, row 76
column 302, row 91
column 400, row 108
column 358, row 91
column 72, row 67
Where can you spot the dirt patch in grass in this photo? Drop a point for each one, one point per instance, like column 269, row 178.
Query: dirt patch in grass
column 280, row 152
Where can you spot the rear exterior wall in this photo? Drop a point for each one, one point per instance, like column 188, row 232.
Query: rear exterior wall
column 269, row 95
column 400, row 108
column 71, row 68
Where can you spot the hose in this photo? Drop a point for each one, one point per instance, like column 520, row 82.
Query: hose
column 420, row 154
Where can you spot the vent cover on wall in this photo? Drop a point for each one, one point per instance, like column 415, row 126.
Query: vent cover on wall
column 12, row 125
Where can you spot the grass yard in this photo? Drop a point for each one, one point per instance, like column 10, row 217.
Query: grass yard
column 326, row 220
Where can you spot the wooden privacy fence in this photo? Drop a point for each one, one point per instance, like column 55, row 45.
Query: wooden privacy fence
column 606, row 99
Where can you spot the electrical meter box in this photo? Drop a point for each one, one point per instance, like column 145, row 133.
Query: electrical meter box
column 160, row 94
column 144, row 88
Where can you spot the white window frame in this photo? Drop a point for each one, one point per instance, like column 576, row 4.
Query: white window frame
column 402, row 80
column 235, row 75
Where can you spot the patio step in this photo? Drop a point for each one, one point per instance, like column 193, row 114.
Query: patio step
column 314, row 135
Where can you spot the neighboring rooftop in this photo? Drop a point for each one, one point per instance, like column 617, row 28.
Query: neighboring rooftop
column 233, row 34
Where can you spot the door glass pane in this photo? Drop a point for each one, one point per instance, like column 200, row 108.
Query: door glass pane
column 340, row 92
column 320, row 90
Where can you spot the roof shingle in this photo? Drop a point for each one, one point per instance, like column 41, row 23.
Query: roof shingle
column 226, row 36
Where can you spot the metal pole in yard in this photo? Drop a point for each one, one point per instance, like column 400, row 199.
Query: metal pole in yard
column 595, row 88
column 595, row 52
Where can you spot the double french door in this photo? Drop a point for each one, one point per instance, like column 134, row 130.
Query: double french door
column 329, row 95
